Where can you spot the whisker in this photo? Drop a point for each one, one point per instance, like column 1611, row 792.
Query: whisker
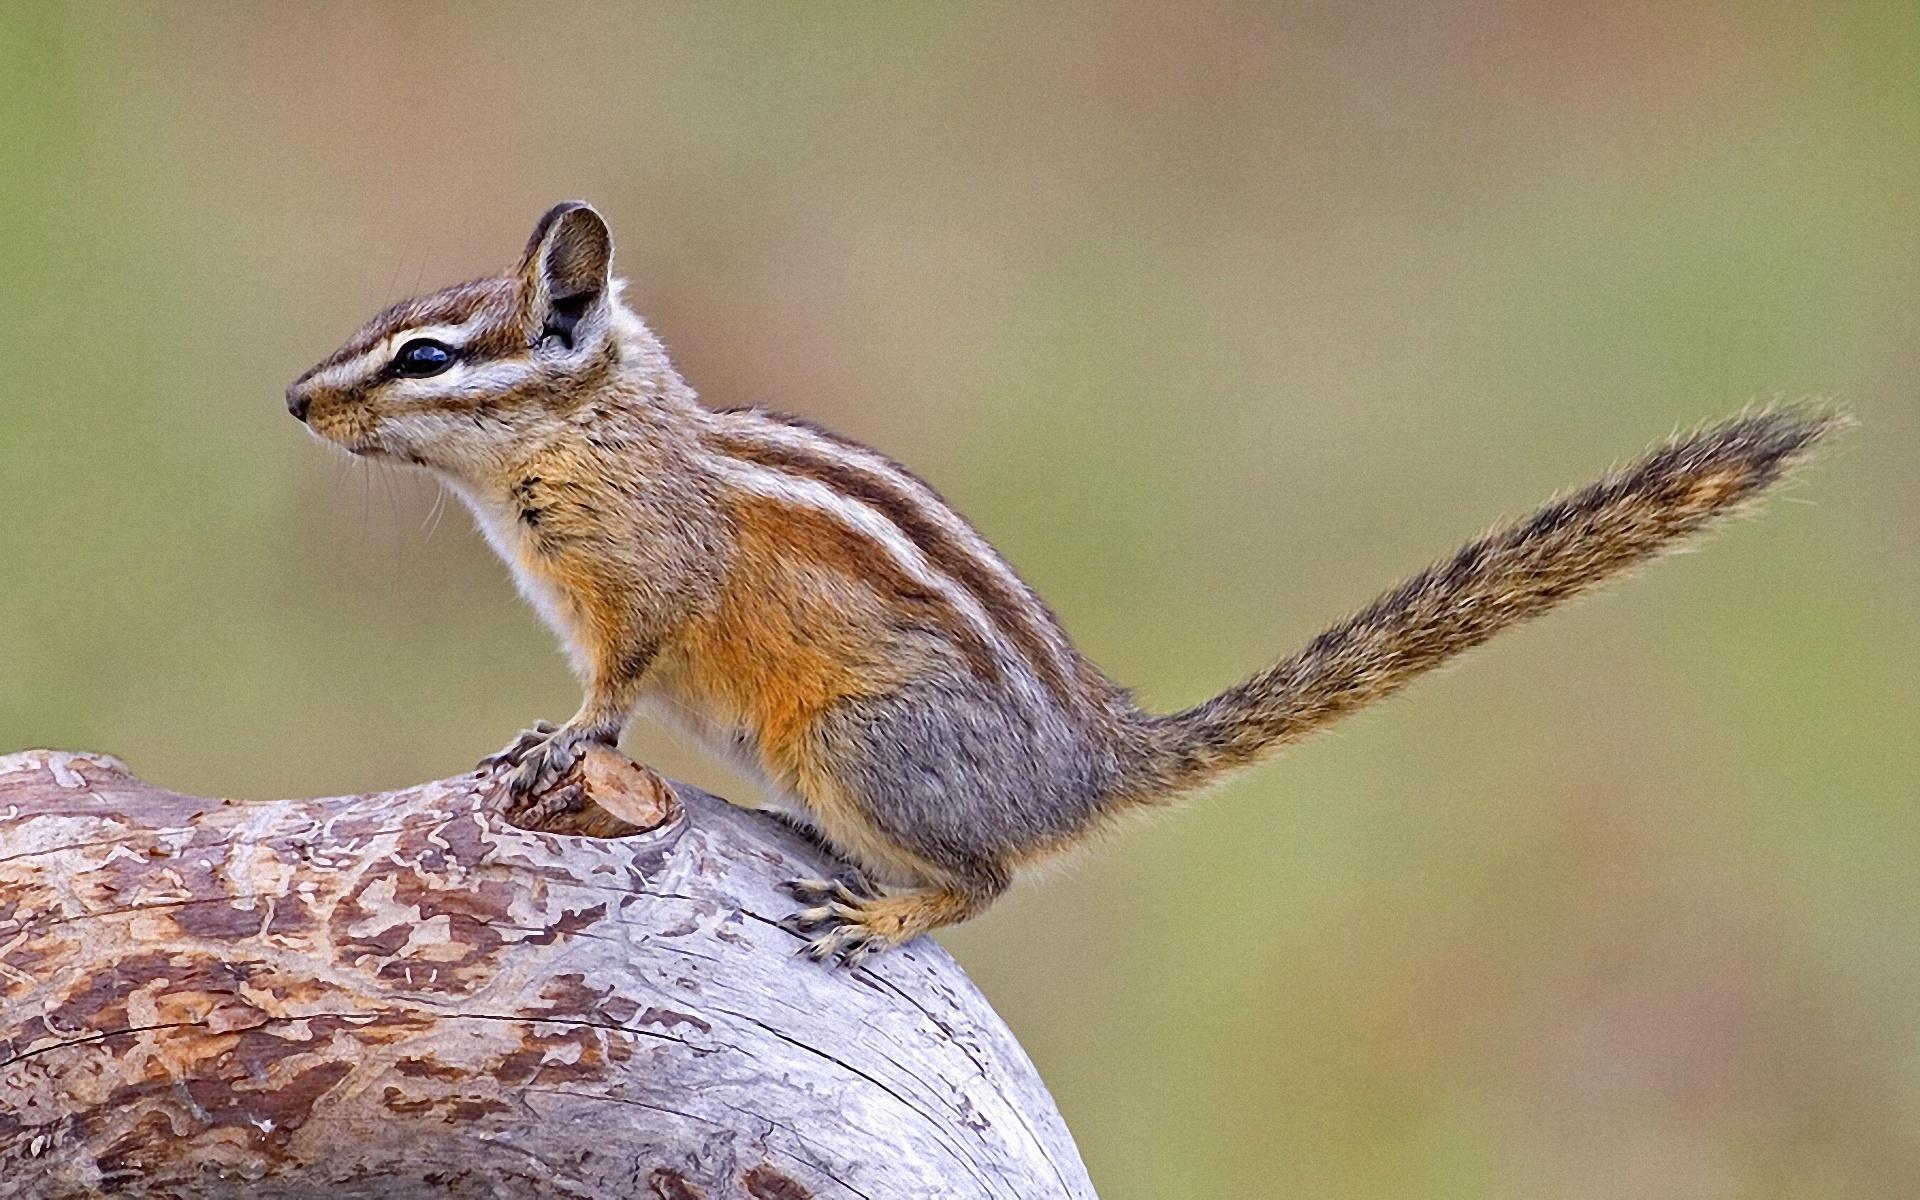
column 391, row 281
column 434, row 514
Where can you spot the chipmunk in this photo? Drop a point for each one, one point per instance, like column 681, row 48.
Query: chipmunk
column 810, row 608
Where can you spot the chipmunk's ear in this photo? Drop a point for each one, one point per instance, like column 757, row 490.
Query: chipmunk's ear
column 566, row 278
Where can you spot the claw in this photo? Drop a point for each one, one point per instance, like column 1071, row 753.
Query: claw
column 815, row 891
column 809, row 919
column 545, row 762
column 537, row 760
column 838, row 921
column 850, row 943
column 510, row 754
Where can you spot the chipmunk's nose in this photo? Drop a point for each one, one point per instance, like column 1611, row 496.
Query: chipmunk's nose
column 299, row 399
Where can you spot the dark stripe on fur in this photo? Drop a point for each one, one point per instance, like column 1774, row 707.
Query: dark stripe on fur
column 1013, row 611
column 829, row 540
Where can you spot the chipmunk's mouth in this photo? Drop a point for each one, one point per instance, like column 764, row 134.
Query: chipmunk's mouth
column 359, row 446
column 352, row 436
column 386, row 454
column 363, row 438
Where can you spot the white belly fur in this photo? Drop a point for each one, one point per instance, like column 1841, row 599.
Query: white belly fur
column 498, row 525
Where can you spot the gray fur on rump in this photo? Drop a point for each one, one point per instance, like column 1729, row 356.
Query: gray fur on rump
column 1030, row 778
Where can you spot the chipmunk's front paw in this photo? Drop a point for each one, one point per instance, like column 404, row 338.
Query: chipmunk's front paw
column 852, row 924
column 510, row 754
column 542, row 764
column 536, row 760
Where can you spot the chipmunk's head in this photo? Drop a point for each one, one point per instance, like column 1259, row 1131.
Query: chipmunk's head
column 457, row 379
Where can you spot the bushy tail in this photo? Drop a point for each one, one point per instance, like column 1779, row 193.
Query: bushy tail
column 1517, row 572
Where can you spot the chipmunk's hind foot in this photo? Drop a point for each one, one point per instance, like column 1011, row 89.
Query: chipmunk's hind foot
column 853, row 925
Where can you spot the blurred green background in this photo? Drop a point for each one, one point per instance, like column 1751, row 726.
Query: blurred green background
column 1216, row 319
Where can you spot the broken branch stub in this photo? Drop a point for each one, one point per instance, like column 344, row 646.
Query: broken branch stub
column 402, row 995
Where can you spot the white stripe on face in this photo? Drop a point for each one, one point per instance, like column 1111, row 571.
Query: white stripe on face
column 465, row 378
column 369, row 363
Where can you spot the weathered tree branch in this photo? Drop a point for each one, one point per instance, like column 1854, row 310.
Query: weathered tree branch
column 402, row 995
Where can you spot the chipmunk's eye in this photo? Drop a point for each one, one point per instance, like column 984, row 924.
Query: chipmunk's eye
column 420, row 358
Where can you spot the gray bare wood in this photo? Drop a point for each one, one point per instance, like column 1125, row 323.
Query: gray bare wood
column 402, row 995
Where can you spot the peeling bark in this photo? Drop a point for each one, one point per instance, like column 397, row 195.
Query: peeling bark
column 402, row 995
